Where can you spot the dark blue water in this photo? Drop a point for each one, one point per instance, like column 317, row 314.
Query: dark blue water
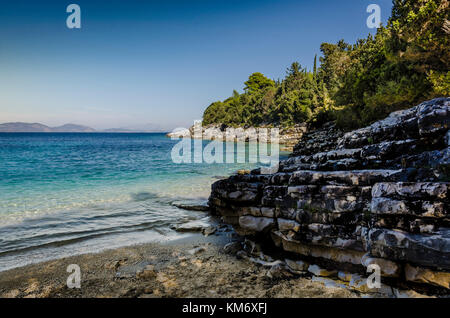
column 70, row 193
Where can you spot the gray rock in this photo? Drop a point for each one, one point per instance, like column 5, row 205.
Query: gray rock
column 254, row 211
column 328, row 282
column 268, row 212
column 297, row 266
column 434, row 116
column 402, row 124
column 422, row 208
column 196, row 250
column 194, row 226
column 232, row 248
column 360, row 177
column 209, row 230
column 387, row 267
column 278, row 271
column 376, row 195
column 318, row 271
column 411, row 190
column 427, row 276
column 288, row 225
column 426, row 250
column 192, row 205
column 256, row 224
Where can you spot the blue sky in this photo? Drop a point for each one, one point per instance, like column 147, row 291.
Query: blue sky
column 161, row 62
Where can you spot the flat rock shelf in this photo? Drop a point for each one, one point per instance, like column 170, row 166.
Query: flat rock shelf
column 376, row 195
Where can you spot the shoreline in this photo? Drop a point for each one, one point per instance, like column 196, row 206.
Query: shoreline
column 195, row 266
column 288, row 136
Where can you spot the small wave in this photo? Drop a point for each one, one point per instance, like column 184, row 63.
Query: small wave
column 79, row 237
column 143, row 196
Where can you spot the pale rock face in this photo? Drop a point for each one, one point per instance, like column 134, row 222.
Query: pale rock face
column 316, row 270
column 344, row 276
column 408, row 294
column 298, row 266
column 328, row 282
column 256, row 224
column 330, row 253
column 387, row 267
column 288, row 225
column 397, row 207
column 434, row 116
column 287, row 136
column 147, row 273
column 194, row 226
column 376, row 195
column 426, row 250
column 360, row 284
column 388, row 206
column 426, row 276
column 254, row 211
column 361, row 177
column 180, row 133
column 268, row 212
column 412, row 190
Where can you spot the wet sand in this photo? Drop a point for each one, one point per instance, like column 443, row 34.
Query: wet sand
column 161, row 270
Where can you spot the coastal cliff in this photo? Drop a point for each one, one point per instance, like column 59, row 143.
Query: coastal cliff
column 288, row 136
column 376, row 195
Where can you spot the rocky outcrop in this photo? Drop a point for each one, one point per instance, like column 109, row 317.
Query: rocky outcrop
column 377, row 195
column 288, row 136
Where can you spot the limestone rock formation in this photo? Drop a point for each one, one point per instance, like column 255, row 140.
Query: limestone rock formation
column 287, row 136
column 376, row 195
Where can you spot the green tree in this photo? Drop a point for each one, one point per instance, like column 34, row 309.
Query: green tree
column 257, row 81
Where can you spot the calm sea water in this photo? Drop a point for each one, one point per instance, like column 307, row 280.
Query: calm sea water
column 65, row 194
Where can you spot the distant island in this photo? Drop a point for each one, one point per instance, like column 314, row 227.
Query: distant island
column 73, row 128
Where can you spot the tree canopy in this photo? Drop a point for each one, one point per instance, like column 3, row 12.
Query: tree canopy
column 404, row 63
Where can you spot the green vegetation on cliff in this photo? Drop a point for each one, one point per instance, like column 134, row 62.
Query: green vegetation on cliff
column 405, row 63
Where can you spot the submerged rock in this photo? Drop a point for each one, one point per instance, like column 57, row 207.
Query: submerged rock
column 192, row 205
column 209, row 230
column 194, row 226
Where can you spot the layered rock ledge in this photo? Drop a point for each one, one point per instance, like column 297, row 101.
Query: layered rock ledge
column 377, row 195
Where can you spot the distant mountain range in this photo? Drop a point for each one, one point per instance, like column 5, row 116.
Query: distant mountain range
column 37, row 127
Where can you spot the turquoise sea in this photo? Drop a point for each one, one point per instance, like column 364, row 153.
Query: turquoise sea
column 70, row 193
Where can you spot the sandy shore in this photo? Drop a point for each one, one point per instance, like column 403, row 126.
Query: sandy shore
column 161, row 270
